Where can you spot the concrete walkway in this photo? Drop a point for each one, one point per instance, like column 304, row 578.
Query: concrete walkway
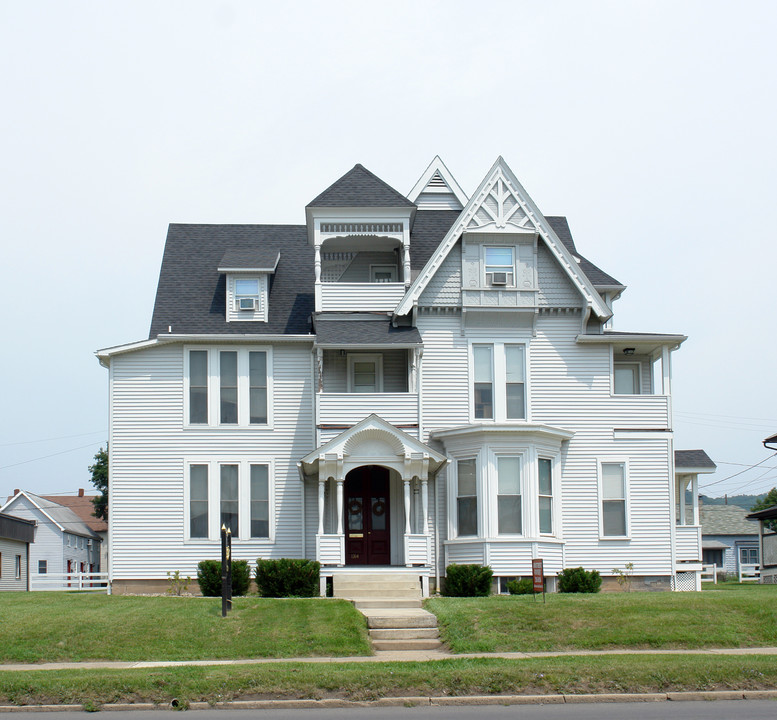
column 398, row 656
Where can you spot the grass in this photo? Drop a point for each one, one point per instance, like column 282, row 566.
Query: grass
column 739, row 616
column 369, row 681
column 52, row 627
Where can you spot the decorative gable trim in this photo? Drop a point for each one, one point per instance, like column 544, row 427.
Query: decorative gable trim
column 502, row 204
column 437, row 189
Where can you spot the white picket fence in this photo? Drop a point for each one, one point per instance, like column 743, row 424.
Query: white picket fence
column 97, row 582
column 749, row 573
column 709, row 573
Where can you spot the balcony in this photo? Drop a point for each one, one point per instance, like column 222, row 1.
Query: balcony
column 343, row 410
column 358, row 296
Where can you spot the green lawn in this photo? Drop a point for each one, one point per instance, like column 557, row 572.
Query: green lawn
column 368, row 681
column 732, row 616
column 40, row 627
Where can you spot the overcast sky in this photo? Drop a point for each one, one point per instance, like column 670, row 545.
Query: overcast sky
column 650, row 125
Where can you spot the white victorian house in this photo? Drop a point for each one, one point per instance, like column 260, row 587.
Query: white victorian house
column 401, row 383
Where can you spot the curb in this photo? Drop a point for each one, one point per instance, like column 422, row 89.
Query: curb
column 415, row 701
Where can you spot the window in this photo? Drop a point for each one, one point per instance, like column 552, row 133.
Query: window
column 383, row 273
column 246, row 293
column 260, row 502
column 18, row 568
column 613, row 489
column 484, row 381
column 228, row 387
column 514, row 382
column 626, row 377
column 748, row 556
column 365, row 373
column 499, row 266
column 43, row 567
column 198, row 386
column 466, row 498
column 509, row 496
column 545, row 471
column 198, row 501
column 230, row 499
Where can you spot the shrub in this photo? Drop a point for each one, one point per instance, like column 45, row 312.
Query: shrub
column 287, row 577
column 209, row 577
column 579, row 580
column 520, row 587
column 467, row 581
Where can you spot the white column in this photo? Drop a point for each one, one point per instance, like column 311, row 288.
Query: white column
column 695, row 493
column 682, row 484
column 321, row 491
column 317, row 266
column 339, row 506
column 406, row 263
column 407, row 506
column 425, row 504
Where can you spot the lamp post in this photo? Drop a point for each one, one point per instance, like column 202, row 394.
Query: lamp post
column 226, row 570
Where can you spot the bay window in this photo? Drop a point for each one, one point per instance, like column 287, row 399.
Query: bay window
column 467, row 497
column 509, row 518
column 545, row 477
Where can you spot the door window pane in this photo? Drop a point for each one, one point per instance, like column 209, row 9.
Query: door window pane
column 229, row 498
column 228, row 372
column 198, row 501
column 198, row 386
column 257, row 381
column 260, row 502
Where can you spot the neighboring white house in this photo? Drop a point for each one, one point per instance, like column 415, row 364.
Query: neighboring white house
column 63, row 542
column 400, row 383
column 16, row 535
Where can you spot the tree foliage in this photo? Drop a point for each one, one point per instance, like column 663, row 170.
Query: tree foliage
column 769, row 500
column 99, row 473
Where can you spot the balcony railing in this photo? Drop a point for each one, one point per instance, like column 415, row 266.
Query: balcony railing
column 346, row 409
column 688, row 543
column 349, row 297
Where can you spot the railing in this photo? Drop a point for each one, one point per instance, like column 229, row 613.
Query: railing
column 344, row 297
column 709, row 573
column 349, row 408
column 749, row 572
column 418, row 549
column 70, row 581
column 330, row 549
column 688, row 543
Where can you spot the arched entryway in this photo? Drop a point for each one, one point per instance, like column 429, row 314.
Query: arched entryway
column 367, row 516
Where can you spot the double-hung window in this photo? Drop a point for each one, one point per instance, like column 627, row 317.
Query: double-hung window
column 545, row 473
column 43, row 567
column 247, row 293
column 509, row 513
column 228, row 387
column 499, row 381
column 18, row 567
column 614, row 521
column 484, row 381
column 237, row 495
column 499, row 266
column 748, row 556
column 466, row 497
column 515, row 395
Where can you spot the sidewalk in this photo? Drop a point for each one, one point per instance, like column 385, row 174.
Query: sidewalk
column 397, row 656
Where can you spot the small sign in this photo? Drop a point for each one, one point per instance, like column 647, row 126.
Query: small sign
column 538, row 576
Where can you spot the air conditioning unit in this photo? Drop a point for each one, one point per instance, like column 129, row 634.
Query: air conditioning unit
column 499, row 278
column 246, row 303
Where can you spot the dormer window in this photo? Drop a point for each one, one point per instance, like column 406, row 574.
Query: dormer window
column 246, row 294
column 500, row 266
column 247, row 286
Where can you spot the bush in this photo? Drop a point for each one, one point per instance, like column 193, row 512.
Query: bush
column 467, row 581
column 287, row 577
column 520, row 587
column 209, row 577
column 579, row 580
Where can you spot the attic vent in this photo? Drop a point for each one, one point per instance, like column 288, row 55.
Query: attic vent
column 437, row 181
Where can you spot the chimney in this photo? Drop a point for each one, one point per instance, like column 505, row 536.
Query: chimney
column 80, row 492
column 16, row 492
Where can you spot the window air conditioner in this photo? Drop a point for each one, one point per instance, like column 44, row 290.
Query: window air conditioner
column 499, row 278
column 247, row 303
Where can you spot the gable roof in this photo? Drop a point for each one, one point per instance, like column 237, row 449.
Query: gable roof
column 437, row 188
column 62, row 517
column 726, row 520
column 524, row 216
column 360, row 188
column 261, row 259
column 693, row 459
column 82, row 506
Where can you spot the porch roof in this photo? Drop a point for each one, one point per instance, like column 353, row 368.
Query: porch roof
column 362, row 330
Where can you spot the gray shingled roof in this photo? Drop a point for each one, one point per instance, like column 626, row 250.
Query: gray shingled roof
column 726, row 520
column 598, row 277
column 692, row 459
column 258, row 258
column 63, row 516
column 362, row 329
column 360, row 188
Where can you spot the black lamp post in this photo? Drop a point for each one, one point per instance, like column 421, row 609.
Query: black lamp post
column 226, row 570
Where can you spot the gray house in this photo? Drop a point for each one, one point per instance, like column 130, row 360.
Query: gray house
column 16, row 535
column 728, row 538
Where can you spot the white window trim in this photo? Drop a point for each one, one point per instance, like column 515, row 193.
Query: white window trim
column 554, row 487
column 382, row 268
column 233, row 312
column 600, row 496
column 214, row 385
column 214, row 499
column 366, row 357
column 499, row 382
column 453, row 494
column 525, row 485
column 484, row 265
column 632, row 363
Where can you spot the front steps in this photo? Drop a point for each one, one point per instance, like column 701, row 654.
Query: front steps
column 376, row 585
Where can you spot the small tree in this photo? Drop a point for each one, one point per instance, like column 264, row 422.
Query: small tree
column 769, row 501
column 99, row 473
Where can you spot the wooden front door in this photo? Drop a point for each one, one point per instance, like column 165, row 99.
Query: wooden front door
column 367, row 529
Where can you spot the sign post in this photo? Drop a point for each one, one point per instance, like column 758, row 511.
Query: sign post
column 226, row 570
column 538, row 577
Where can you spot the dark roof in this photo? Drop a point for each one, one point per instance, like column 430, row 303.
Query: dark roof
column 772, row 439
column 14, row 528
column 725, row 520
column 82, row 506
column 360, row 188
column 598, row 277
column 692, row 459
column 362, row 329
column 191, row 295
column 264, row 258
column 769, row 513
column 429, row 229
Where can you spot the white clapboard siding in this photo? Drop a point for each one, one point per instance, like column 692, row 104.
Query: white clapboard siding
column 508, row 558
column 149, row 445
column 9, row 549
column 346, row 409
column 351, row 297
column 688, row 543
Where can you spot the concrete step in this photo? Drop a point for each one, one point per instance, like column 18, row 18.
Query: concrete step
column 389, row 645
column 401, row 622
column 404, row 634
column 376, row 586
column 370, row 603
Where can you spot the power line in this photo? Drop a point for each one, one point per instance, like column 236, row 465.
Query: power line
column 43, row 457
column 717, row 482
column 61, row 437
column 734, row 417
